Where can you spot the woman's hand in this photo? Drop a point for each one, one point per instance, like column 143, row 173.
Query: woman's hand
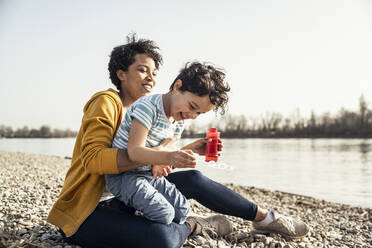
column 182, row 159
column 161, row 170
column 199, row 145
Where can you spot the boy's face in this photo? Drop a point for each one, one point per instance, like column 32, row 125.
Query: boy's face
column 186, row 105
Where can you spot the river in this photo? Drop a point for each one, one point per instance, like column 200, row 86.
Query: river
column 338, row 170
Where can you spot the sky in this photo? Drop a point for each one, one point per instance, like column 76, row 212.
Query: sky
column 279, row 55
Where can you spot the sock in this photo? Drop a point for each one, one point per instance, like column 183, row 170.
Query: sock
column 268, row 219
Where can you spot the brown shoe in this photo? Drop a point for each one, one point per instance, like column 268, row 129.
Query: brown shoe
column 283, row 225
column 214, row 226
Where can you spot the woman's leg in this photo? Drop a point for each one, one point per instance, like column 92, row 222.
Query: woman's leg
column 193, row 184
column 112, row 224
column 219, row 198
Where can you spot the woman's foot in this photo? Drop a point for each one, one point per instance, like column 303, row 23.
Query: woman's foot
column 214, row 226
column 286, row 226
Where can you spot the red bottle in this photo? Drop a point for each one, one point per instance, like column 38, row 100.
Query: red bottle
column 211, row 149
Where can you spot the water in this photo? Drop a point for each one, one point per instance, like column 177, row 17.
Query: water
column 58, row 147
column 338, row 170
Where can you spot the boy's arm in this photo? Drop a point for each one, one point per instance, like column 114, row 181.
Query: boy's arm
column 139, row 153
column 124, row 163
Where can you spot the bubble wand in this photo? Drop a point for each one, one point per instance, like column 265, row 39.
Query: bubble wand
column 211, row 152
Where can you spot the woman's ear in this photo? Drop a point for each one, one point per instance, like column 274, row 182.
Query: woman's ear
column 177, row 85
column 121, row 75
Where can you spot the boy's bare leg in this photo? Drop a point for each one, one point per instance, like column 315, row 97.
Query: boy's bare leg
column 260, row 215
column 192, row 224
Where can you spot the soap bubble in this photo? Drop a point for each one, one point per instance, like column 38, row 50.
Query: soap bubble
column 213, row 164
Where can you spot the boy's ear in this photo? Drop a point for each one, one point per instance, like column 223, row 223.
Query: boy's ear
column 121, row 75
column 177, row 85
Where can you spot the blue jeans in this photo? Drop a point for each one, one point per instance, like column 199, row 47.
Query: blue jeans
column 158, row 199
column 112, row 224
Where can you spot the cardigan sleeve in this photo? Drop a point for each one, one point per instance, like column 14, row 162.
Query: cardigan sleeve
column 102, row 116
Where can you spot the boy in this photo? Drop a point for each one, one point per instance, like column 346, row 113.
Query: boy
column 198, row 89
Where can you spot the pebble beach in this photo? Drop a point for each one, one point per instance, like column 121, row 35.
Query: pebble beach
column 29, row 185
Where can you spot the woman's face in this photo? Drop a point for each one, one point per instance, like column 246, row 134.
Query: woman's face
column 139, row 80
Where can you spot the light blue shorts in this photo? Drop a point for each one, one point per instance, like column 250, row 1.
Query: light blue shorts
column 158, row 199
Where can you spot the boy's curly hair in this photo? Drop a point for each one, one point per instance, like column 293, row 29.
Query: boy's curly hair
column 205, row 79
column 123, row 56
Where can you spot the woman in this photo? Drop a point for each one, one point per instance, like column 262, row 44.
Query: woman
column 88, row 216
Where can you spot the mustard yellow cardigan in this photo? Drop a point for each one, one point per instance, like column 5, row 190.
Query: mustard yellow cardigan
column 92, row 157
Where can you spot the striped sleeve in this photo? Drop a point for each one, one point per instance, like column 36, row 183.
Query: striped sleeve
column 145, row 112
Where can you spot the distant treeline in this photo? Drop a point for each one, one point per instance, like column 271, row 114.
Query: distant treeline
column 344, row 124
column 42, row 132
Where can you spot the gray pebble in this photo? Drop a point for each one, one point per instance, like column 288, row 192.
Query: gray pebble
column 26, row 198
column 45, row 236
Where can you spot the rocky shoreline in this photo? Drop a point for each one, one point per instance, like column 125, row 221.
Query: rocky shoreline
column 29, row 185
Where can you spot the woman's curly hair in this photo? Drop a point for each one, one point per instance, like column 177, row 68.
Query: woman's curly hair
column 123, row 56
column 205, row 79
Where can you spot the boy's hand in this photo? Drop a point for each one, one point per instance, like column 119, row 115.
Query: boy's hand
column 182, row 159
column 160, row 171
column 199, row 145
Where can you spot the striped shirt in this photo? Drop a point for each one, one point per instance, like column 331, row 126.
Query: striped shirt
column 149, row 111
